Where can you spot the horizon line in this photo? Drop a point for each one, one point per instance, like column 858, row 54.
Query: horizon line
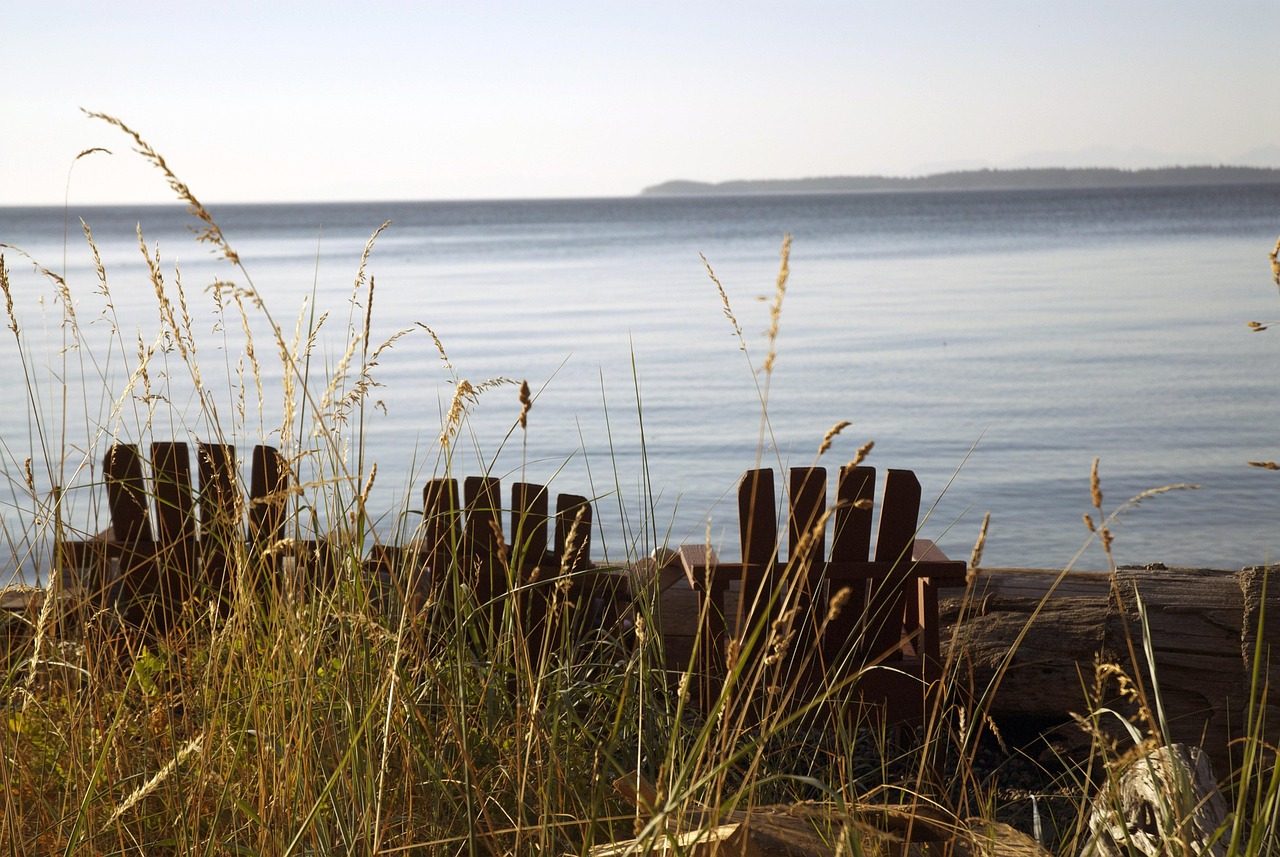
column 644, row 191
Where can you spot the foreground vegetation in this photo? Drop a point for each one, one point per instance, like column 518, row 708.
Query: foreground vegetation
column 275, row 720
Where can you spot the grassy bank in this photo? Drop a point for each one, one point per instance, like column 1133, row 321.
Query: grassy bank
column 277, row 719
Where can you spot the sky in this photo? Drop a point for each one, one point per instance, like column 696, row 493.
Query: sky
column 469, row 99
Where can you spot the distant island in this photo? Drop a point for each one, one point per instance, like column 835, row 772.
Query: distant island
column 1040, row 179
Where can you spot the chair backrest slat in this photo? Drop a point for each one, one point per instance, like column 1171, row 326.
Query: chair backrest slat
column 220, row 513
column 851, row 539
column 126, row 494
column 484, row 514
column 850, row 542
column 899, row 514
column 757, row 518
column 268, row 485
column 806, row 529
column 529, row 520
column 175, row 507
column 175, row 519
column 441, row 526
column 573, row 532
column 888, row 602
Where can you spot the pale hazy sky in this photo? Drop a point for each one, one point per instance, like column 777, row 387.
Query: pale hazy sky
column 253, row 101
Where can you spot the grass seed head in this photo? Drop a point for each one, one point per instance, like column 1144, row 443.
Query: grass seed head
column 975, row 558
column 526, row 403
column 838, row 602
column 1274, row 255
column 8, row 296
column 211, row 233
column 1095, row 486
column 775, row 309
column 830, row 435
column 861, row 455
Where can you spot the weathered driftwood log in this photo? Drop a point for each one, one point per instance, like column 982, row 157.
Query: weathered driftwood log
column 812, row 829
column 1202, row 627
column 1165, row 801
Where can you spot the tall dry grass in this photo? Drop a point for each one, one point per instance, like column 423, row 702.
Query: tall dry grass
column 345, row 719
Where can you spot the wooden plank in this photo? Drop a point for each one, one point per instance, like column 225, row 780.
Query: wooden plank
column 171, row 469
column 441, row 538
column 529, row 521
column 851, row 539
column 757, row 518
column 758, row 542
column 806, row 552
column 126, row 494
column 268, row 492
column 887, row 601
column 483, row 496
column 573, row 532
column 899, row 516
column 850, row 542
column 220, row 515
column 175, row 519
column 531, row 563
column 134, row 589
column 483, row 533
column 806, row 528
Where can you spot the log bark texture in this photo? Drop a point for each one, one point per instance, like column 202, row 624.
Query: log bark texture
column 1202, row 625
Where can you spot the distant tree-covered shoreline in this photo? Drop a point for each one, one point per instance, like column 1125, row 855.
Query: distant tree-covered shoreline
column 1060, row 177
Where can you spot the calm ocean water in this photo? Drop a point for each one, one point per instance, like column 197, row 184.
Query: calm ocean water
column 993, row 342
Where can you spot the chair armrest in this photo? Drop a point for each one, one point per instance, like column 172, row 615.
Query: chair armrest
column 926, row 551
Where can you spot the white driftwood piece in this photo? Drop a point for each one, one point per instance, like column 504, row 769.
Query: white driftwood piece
column 1161, row 800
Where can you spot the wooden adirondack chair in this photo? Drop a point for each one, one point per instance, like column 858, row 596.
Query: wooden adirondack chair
column 147, row 564
column 168, row 541
column 864, row 629
column 460, row 553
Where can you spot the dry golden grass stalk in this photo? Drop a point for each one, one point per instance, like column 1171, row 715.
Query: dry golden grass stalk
column 462, row 393
column 363, row 499
column 60, row 284
column 775, row 309
column 1095, row 486
column 250, row 353
column 8, row 296
column 861, row 455
column 465, row 394
column 1095, row 493
column 724, row 300
column 831, row 434
column 339, row 375
column 838, row 602
column 211, row 233
column 163, row 774
column 444, row 355
column 98, row 267
column 364, row 261
column 526, row 404
column 975, row 558
column 1274, row 255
